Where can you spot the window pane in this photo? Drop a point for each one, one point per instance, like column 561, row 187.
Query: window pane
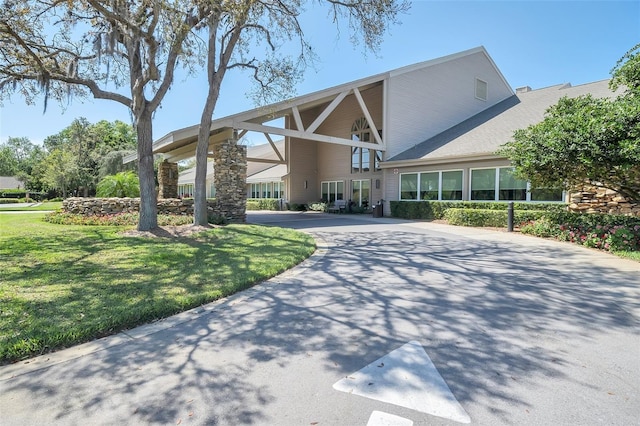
column 378, row 160
column 452, row 185
column 483, row 184
column 364, row 200
column 325, row 191
column 332, row 192
column 355, row 160
column 340, row 191
column 409, row 186
column 546, row 194
column 365, row 160
column 510, row 187
column 355, row 191
column 429, row 186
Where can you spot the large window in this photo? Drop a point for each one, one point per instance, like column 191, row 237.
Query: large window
column 499, row 184
column 363, row 159
column 433, row 186
column 332, row 191
column 267, row 190
column 360, row 192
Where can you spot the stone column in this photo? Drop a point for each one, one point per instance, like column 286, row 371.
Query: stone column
column 230, row 180
column 168, row 180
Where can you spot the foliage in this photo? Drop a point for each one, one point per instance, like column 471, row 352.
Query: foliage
column 117, row 219
column 491, row 218
column 20, row 158
column 65, row 49
column 63, row 285
column 605, row 232
column 60, row 170
column 263, row 204
column 318, row 206
column 9, row 200
column 434, row 210
column 586, row 139
column 296, row 207
column 248, row 35
column 123, row 184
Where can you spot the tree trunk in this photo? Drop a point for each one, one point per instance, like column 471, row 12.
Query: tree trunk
column 148, row 199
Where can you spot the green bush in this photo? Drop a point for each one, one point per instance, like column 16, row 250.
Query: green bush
column 430, row 210
column 297, row 207
column 263, row 204
column 123, row 184
column 483, row 217
column 600, row 231
column 9, row 201
column 118, row 219
column 318, row 206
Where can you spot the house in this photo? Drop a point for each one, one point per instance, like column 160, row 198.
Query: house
column 10, row 182
column 425, row 131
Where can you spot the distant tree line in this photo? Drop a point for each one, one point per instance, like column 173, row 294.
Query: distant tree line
column 73, row 161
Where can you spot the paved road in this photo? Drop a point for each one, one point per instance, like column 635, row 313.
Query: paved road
column 521, row 330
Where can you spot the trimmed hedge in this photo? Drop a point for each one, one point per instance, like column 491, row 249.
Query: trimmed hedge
column 430, row 210
column 263, row 204
column 485, row 217
column 9, row 200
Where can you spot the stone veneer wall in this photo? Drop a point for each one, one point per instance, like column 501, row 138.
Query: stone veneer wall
column 168, row 180
column 230, row 179
column 102, row 206
column 590, row 199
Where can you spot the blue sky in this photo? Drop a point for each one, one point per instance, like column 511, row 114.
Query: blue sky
column 537, row 44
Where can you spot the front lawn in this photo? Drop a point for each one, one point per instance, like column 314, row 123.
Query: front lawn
column 61, row 285
column 45, row 206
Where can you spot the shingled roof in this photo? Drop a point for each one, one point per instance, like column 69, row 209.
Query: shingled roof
column 485, row 132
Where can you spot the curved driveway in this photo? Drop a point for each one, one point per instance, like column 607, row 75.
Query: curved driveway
column 522, row 330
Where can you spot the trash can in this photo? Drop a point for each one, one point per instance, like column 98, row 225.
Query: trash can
column 377, row 210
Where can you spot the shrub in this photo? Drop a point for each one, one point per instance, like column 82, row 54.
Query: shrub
column 123, row 184
column 600, row 231
column 318, row 206
column 9, row 201
column 118, row 219
column 263, row 204
column 297, row 207
column 430, row 210
column 483, row 217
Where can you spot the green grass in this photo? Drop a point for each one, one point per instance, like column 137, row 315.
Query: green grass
column 61, row 285
column 633, row 255
column 46, row 206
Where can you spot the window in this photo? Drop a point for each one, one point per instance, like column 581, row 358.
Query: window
column 409, row 186
column 451, row 186
column 431, row 186
column 511, row 189
column 360, row 192
column 499, row 184
column 186, row 190
column 482, row 89
column 483, row 184
column 332, row 191
column 267, row 190
column 362, row 158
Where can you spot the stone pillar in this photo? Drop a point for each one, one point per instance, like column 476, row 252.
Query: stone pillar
column 230, row 180
column 168, row 180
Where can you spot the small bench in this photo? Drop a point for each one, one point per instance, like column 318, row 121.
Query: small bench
column 337, row 206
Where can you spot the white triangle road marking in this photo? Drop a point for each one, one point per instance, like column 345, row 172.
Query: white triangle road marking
column 379, row 418
column 406, row 377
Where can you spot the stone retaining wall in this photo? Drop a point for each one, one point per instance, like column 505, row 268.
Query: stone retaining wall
column 590, row 199
column 102, row 206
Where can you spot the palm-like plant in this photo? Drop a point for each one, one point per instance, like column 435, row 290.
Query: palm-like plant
column 123, row 184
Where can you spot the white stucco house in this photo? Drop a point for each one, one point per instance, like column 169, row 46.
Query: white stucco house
column 425, row 131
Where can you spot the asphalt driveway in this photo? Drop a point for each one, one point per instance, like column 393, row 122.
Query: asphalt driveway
column 390, row 322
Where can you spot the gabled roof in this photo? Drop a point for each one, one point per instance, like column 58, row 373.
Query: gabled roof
column 183, row 140
column 482, row 134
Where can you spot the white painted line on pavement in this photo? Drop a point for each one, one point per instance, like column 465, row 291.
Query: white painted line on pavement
column 406, row 377
column 378, row 418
